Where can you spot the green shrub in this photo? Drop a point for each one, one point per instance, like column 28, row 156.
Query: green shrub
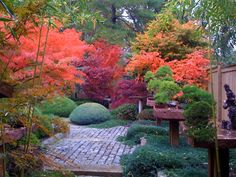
column 33, row 140
column 153, row 85
column 195, row 94
column 89, row 113
column 198, row 112
column 146, row 161
column 197, row 117
column 164, row 73
column 137, row 131
column 60, row 106
column 149, row 130
column 146, row 114
column 44, row 125
column 126, row 112
column 149, row 76
column 186, row 172
column 167, row 90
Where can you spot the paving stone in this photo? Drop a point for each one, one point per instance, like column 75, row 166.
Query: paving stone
column 85, row 146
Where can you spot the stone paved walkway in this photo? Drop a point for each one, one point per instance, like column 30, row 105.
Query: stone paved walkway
column 90, row 147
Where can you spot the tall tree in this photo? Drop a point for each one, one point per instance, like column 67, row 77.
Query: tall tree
column 119, row 20
column 218, row 17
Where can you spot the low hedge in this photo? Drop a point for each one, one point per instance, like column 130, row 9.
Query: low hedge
column 137, row 131
column 146, row 161
column 59, row 106
column 90, row 113
column 126, row 112
column 146, row 114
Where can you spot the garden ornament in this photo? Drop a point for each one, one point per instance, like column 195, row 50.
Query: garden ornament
column 230, row 104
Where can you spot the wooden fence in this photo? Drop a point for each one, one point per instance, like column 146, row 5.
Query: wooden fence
column 222, row 75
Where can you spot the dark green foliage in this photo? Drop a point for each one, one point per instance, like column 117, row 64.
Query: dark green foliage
column 150, row 130
column 137, row 131
column 89, row 113
column 158, row 155
column 126, row 112
column 186, row 172
column 146, row 114
column 145, row 161
column 33, row 140
column 198, row 112
column 194, row 94
column 60, row 106
column 44, row 125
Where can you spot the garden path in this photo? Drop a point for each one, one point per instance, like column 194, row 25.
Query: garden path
column 91, row 149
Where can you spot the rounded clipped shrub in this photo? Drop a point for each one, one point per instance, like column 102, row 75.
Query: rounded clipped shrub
column 146, row 114
column 126, row 112
column 198, row 112
column 59, row 106
column 89, row 113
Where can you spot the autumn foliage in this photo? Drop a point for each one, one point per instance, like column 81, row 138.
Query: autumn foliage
column 170, row 38
column 168, row 42
column 143, row 62
column 102, row 70
column 63, row 48
column 192, row 69
column 125, row 89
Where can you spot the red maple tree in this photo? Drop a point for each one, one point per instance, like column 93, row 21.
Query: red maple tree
column 102, row 70
column 62, row 50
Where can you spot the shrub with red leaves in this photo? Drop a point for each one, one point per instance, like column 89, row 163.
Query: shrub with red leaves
column 126, row 89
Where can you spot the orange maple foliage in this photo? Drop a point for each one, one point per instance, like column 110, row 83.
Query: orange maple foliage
column 63, row 49
column 172, row 39
column 193, row 69
column 143, row 62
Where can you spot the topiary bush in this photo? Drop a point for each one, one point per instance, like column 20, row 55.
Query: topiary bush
column 126, row 112
column 89, row 113
column 146, row 114
column 59, row 106
column 198, row 112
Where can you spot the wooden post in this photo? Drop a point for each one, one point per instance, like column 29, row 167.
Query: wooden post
column 174, row 132
column 219, row 92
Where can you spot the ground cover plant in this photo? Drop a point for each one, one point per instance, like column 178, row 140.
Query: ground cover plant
column 158, row 155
